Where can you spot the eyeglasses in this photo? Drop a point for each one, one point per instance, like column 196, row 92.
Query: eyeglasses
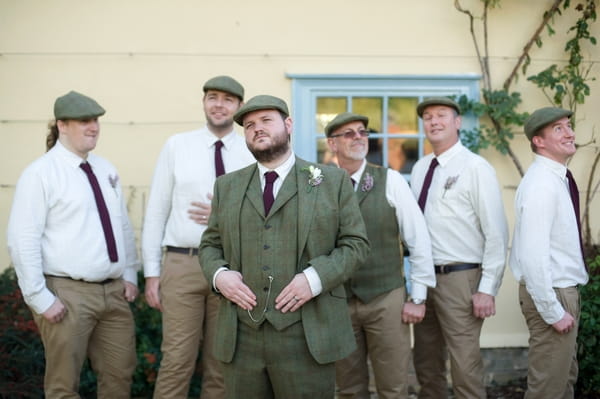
column 350, row 134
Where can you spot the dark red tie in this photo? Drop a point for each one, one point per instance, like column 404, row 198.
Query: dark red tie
column 353, row 182
column 219, row 167
column 268, row 198
column 426, row 183
column 103, row 212
column 574, row 191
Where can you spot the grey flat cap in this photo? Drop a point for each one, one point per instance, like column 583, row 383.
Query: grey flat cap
column 343, row 118
column 437, row 101
column 543, row 117
column 258, row 103
column 226, row 84
column 75, row 105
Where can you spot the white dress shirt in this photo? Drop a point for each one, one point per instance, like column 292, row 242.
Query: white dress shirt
column 545, row 249
column 55, row 229
column 464, row 213
column 185, row 172
column 413, row 230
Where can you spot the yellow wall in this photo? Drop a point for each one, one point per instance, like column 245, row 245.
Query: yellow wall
column 145, row 61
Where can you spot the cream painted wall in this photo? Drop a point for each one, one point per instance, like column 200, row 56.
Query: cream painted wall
column 145, row 61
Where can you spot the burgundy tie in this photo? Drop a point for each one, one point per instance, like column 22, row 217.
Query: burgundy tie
column 353, row 182
column 574, row 191
column 426, row 183
column 219, row 167
column 103, row 212
column 268, row 198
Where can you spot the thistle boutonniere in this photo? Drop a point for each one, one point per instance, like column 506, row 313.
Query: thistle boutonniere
column 367, row 183
column 315, row 176
column 114, row 180
column 449, row 183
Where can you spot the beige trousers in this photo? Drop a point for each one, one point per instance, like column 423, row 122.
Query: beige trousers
column 552, row 369
column 449, row 327
column 385, row 340
column 188, row 320
column 99, row 325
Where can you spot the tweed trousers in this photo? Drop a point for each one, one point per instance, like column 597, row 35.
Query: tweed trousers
column 99, row 325
column 552, row 359
column 188, row 321
column 449, row 324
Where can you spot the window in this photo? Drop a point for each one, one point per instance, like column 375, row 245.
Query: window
column 397, row 139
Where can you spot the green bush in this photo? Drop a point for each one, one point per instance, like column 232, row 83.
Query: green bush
column 22, row 359
column 588, row 383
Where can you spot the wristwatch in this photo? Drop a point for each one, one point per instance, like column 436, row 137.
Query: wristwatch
column 416, row 301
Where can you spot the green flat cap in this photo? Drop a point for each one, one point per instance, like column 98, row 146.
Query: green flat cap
column 75, row 105
column 226, row 84
column 258, row 103
column 437, row 101
column 542, row 117
column 343, row 118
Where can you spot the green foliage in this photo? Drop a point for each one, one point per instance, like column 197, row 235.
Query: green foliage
column 22, row 360
column 500, row 106
column 588, row 349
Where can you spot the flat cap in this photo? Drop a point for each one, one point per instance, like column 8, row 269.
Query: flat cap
column 437, row 101
column 226, row 84
column 75, row 105
column 343, row 118
column 543, row 117
column 258, row 103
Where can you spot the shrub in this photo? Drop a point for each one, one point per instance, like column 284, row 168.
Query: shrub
column 588, row 383
column 22, row 359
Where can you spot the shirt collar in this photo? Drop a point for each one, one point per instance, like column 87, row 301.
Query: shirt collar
column 555, row 167
column 211, row 139
column 450, row 153
column 67, row 155
column 358, row 174
column 282, row 170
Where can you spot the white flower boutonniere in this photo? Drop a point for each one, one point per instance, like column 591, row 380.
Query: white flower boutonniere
column 367, row 184
column 114, row 180
column 449, row 183
column 315, row 176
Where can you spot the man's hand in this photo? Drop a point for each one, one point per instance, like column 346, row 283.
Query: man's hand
column 56, row 312
column 484, row 305
column 564, row 325
column 130, row 292
column 231, row 285
column 412, row 313
column 200, row 211
column 294, row 295
column 152, row 292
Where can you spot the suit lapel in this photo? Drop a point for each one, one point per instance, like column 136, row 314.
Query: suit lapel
column 307, row 202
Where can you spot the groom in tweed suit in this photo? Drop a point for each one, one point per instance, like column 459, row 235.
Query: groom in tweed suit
column 280, row 264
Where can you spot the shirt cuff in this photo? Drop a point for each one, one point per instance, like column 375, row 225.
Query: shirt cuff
column 418, row 291
column 487, row 286
column 219, row 270
column 314, row 281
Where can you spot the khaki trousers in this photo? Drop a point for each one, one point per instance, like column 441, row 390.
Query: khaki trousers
column 449, row 324
column 552, row 369
column 188, row 319
column 385, row 339
column 276, row 364
column 99, row 325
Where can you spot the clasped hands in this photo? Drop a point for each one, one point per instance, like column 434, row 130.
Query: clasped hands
column 231, row 285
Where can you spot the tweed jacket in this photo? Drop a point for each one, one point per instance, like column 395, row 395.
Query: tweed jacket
column 331, row 238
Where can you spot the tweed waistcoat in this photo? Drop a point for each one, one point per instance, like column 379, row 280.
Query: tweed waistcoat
column 268, row 256
column 383, row 269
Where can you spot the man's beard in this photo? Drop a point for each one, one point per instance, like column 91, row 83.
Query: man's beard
column 227, row 124
column 280, row 146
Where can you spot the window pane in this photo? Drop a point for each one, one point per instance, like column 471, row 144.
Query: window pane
column 402, row 115
column 402, row 154
column 371, row 107
column 324, row 155
column 375, row 154
column 327, row 109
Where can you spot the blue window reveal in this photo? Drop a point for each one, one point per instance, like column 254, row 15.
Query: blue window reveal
column 397, row 139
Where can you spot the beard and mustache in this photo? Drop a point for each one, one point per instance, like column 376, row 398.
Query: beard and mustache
column 279, row 146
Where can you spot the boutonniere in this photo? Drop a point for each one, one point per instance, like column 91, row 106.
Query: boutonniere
column 449, row 183
column 315, row 176
column 114, row 180
column 367, row 183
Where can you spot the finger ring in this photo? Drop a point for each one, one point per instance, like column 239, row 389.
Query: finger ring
column 203, row 216
column 296, row 298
